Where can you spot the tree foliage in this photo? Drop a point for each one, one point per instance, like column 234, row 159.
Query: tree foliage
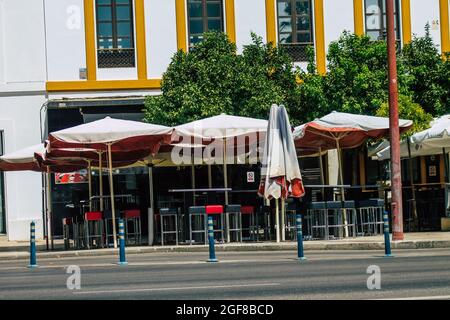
column 212, row 79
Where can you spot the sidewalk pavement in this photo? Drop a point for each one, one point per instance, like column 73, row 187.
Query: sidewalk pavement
column 11, row 250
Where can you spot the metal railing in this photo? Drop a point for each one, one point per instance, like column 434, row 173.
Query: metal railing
column 115, row 58
column 297, row 51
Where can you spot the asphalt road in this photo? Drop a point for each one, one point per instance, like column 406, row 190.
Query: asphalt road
column 412, row 274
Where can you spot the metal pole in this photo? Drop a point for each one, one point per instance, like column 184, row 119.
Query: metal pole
column 387, row 241
column 396, row 178
column 152, row 205
column 100, row 177
column 341, row 178
column 90, row 184
column 300, row 253
column 444, row 154
column 33, row 263
column 413, row 189
column 209, row 177
column 193, row 179
column 122, row 259
column 283, row 213
column 49, row 208
column 277, row 220
column 225, row 171
column 212, row 251
column 111, row 191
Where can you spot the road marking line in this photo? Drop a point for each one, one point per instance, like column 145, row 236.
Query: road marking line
column 419, row 298
column 180, row 288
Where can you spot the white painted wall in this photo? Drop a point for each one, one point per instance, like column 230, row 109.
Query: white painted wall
column 423, row 12
column 23, row 30
column 161, row 35
column 2, row 64
column 250, row 16
column 66, row 52
column 19, row 120
column 338, row 16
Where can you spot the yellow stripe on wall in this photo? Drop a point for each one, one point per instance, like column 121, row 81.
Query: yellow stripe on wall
column 65, row 86
column 141, row 47
column 271, row 33
column 320, row 36
column 180, row 8
column 230, row 20
column 89, row 26
column 406, row 21
column 358, row 17
column 445, row 26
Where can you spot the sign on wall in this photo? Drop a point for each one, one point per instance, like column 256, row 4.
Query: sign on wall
column 71, row 177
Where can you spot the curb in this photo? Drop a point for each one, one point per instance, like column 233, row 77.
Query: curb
column 400, row 245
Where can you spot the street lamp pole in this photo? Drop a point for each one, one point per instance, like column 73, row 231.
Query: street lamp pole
column 396, row 178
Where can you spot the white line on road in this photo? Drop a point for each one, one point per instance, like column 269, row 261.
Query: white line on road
column 180, row 288
column 420, row 298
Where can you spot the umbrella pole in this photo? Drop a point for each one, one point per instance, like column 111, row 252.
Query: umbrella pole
column 193, row 179
column 283, row 212
column 49, row 209
column 90, row 184
column 225, row 184
column 277, row 221
column 446, row 165
column 111, row 191
column 413, row 189
column 152, row 205
column 322, row 175
column 100, row 179
column 209, row 176
column 341, row 178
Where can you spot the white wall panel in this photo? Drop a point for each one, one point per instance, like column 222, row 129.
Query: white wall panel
column 161, row 35
column 423, row 12
column 250, row 16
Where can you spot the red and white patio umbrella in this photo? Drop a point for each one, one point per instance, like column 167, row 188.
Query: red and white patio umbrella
column 111, row 136
column 339, row 130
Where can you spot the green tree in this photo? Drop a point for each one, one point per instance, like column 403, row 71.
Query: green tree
column 212, row 79
column 407, row 109
column 428, row 74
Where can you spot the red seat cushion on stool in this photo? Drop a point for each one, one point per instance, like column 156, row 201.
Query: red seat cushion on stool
column 93, row 216
column 134, row 213
column 67, row 221
column 214, row 209
column 247, row 210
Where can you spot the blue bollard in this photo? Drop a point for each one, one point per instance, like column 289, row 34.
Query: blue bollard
column 301, row 255
column 122, row 260
column 212, row 251
column 387, row 240
column 33, row 263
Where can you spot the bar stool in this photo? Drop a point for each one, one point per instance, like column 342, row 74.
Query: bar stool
column 336, row 219
column 234, row 218
column 264, row 215
column 370, row 214
column 67, row 222
column 248, row 225
column 197, row 223
column 132, row 219
column 169, row 223
column 216, row 211
column 318, row 220
column 290, row 220
column 93, row 228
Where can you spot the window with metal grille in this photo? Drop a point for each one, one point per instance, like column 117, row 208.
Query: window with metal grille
column 376, row 24
column 295, row 27
column 203, row 16
column 115, row 39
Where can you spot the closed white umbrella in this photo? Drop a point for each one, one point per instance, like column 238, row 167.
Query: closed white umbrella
column 112, row 135
column 280, row 172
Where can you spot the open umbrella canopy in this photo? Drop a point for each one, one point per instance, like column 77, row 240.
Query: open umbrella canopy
column 280, row 172
column 25, row 160
column 121, row 135
column 432, row 141
column 221, row 127
column 343, row 130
